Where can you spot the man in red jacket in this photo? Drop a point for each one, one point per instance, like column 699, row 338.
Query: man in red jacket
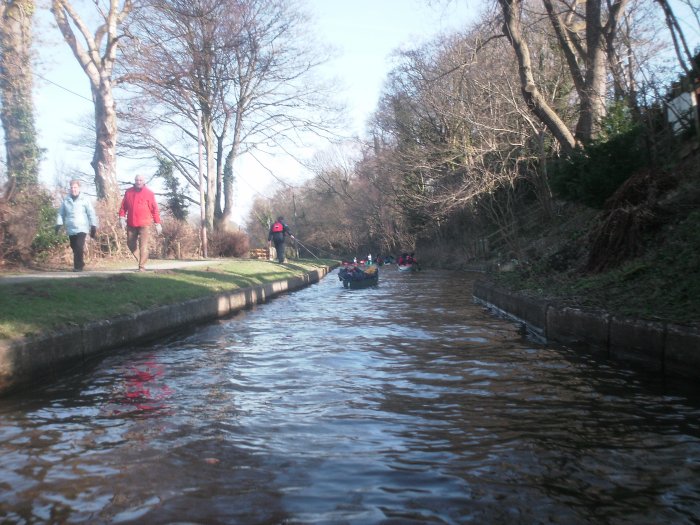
column 138, row 210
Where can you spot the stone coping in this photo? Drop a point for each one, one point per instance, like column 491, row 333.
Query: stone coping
column 670, row 349
column 26, row 361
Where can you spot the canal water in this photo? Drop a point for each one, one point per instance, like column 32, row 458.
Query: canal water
column 400, row 404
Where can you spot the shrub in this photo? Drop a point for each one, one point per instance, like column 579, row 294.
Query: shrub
column 46, row 238
column 26, row 226
column 180, row 239
column 591, row 175
column 228, row 244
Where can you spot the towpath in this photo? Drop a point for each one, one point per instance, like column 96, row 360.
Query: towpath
column 25, row 276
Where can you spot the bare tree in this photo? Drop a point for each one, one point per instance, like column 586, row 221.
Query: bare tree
column 175, row 67
column 458, row 150
column 455, row 143
column 330, row 212
column 16, row 82
column 243, row 65
column 531, row 93
column 685, row 56
column 96, row 53
column 584, row 33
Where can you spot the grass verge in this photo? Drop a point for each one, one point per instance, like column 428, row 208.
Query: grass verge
column 42, row 306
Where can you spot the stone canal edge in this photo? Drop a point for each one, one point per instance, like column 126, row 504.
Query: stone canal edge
column 30, row 360
column 670, row 349
column 664, row 348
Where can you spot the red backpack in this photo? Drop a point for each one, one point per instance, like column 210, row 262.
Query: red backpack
column 277, row 227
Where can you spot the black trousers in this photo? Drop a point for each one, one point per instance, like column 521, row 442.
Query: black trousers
column 279, row 247
column 77, row 244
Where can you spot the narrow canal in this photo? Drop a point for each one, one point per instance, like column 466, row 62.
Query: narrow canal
column 404, row 403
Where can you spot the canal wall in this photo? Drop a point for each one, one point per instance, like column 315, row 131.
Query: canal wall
column 666, row 348
column 30, row 360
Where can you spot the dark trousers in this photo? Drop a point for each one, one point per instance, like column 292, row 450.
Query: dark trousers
column 77, row 244
column 279, row 247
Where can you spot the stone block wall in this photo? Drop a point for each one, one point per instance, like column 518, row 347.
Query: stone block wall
column 664, row 347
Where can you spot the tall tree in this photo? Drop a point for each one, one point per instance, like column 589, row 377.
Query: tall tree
column 240, row 64
column 584, row 31
column 532, row 95
column 97, row 54
column 16, row 82
column 175, row 68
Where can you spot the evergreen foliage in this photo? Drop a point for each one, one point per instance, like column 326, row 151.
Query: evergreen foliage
column 26, row 226
column 176, row 202
column 46, row 237
column 590, row 176
column 16, row 106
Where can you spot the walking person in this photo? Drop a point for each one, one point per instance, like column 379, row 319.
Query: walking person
column 78, row 216
column 278, row 231
column 138, row 211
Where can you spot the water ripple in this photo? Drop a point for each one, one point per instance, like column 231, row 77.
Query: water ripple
column 404, row 403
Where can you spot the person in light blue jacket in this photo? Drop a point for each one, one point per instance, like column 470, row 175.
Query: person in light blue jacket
column 78, row 216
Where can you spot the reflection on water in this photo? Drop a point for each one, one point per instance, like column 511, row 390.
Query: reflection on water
column 141, row 392
column 403, row 403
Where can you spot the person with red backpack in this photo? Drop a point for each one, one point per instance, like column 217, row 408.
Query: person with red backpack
column 277, row 234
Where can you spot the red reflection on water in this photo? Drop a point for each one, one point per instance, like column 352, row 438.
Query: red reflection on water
column 143, row 392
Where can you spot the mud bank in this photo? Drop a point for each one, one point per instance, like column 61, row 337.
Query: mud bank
column 26, row 361
column 669, row 349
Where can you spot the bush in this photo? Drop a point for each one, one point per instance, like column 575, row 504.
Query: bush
column 591, row 175
column 180, row 239
column 228, row 244
column 26, row 227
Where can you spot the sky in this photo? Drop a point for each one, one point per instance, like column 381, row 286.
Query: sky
column 367, row 32
column 363, row 33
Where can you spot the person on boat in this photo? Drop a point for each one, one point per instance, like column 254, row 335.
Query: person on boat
column 278, row 232
column 413, row 261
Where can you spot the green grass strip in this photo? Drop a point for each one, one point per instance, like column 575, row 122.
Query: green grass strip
column 40, row 306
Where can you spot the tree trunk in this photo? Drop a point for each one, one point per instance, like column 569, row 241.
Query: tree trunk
column 680, row 44
column 218, row 212
column 593, row 97
column 228, row 169
column 228, row 185
column 97, row 54
column 210, row 150
column 104, row 160
column 16, row 82
column 590, row 85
